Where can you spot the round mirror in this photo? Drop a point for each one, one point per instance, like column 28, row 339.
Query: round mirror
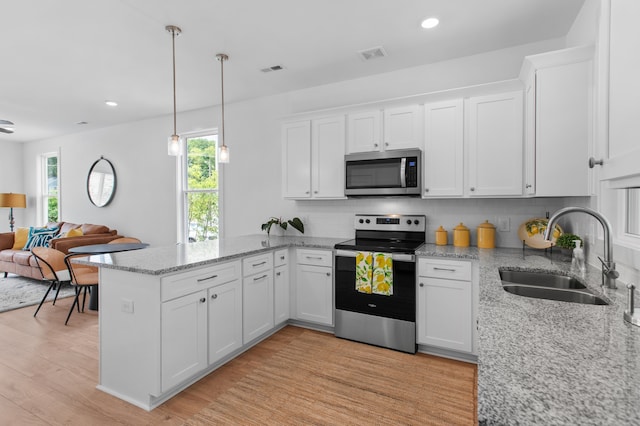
column 101, row 182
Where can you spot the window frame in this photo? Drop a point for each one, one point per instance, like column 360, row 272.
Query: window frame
column 183, row 191
column 43, row 209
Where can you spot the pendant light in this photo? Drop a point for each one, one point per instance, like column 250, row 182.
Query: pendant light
column 223, row 152
column 174, row 145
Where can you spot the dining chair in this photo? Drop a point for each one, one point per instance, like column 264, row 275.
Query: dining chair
column 125, row 240
column 53, row 269
column 83, row 277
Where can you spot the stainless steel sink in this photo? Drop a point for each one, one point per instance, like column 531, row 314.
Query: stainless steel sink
column 542, row 279
column 546, row 285
column 562, row 295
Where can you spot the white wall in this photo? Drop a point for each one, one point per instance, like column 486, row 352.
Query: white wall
column 144, row 204
column 11, row 173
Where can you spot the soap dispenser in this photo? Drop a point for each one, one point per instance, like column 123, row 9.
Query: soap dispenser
column 578, row 257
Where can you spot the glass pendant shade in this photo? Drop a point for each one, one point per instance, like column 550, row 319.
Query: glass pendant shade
column 174, row 145
column 223, row 154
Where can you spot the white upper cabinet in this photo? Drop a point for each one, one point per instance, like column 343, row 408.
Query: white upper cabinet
column 363, row 132
column 443, row 149
column 495, row 145
column 327, row 157
column 392, row 128
column 402, row 128
column 296, row 159
column 559, row 117
column 313, row 158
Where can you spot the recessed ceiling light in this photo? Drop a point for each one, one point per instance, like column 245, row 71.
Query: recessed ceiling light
column 111, row 103
column 430, row 23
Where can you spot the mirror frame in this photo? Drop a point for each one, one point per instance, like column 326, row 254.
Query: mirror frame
column 115, row 182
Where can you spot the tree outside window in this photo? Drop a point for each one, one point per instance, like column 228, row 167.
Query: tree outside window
column 201, row 192
column 50, row 188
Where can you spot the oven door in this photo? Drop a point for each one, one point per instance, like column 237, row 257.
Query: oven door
column 400, row 305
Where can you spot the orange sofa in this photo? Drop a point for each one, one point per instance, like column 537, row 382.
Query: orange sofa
column 21, row 262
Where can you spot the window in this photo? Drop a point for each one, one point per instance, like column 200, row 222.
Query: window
column 632, row 225
column 50, row 188
column 200, row 200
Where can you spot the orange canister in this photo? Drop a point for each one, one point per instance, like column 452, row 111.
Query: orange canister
column 461, row 236
column 442, row 236
column 486, row 235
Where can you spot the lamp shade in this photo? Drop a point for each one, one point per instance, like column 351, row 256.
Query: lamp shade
column 13, row 200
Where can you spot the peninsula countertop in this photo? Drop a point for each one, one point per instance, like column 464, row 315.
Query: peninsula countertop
column 539, row 361
column 548, row 362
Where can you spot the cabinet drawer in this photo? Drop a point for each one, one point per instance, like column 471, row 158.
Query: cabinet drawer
column 314, row 257
column 280, row 257
column 447, row 269
column 255, row 264
column 182, row 284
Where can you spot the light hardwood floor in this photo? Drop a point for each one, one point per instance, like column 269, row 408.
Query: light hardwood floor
column 48, row 374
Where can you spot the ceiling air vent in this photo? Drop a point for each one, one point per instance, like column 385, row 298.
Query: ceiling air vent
column 273, row 68
column 373, row 53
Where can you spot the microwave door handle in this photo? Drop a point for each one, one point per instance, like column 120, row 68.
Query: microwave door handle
column 403, row 172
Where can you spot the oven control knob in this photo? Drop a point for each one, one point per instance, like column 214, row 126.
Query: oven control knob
column 361, row 221
column 416, row 222
column 408, row 221
column 368, row 221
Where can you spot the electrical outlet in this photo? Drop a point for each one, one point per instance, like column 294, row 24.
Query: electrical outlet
column 127, row 306
column 503, row 224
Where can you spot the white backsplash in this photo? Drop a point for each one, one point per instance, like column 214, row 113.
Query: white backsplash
column 335, row 218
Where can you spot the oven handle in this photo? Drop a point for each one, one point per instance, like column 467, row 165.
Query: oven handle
column 397, row 257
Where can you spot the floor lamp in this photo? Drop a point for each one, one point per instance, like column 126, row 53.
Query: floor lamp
column 12, row 200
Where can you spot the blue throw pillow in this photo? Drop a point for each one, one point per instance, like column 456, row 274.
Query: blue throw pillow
column 39, row 237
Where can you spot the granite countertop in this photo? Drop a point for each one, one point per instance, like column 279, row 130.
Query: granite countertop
column 169, row 259
column 549, row 362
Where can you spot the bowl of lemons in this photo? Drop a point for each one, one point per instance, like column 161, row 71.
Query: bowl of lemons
column 531, row 232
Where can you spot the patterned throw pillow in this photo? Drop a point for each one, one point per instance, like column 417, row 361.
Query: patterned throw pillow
column 39, row 237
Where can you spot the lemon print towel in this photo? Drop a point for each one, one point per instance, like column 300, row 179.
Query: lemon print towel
column 382, row 277
column 364, row 270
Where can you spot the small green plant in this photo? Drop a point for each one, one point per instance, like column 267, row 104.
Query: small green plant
column 567, row 241
column 295, row 223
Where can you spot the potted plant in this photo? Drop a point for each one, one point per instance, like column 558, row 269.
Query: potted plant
column 566, row 241
column 295, row 223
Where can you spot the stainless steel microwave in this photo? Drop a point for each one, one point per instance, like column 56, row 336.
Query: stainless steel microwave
column 388, row 173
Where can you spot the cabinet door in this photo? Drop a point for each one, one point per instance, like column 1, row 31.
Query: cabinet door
column 225, row 320
column 281, row 293
column 495, row 145
column 443, row 152
column 402, row 128
column 328, row 139
column 563, row 134
column 363, row 132
column 445, row 313
column 314, row 294
column 184, row 338
column 257, row 294
column 296, row 160
column 530, row 135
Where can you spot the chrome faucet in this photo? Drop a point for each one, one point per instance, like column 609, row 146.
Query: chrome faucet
column 609, row 273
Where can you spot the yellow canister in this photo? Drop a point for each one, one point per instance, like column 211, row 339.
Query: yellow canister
column 486, row 235
column 442, row 236
column 461, row 236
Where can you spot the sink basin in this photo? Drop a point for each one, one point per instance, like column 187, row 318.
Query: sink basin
column 539, row 279
column 562, row 295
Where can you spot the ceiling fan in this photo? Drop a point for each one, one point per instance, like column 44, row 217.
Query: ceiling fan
column 4, row 129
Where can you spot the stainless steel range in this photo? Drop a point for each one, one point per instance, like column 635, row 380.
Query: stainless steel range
column 376, row 281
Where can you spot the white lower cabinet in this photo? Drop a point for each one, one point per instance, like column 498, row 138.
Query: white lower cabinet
column 314, row 286
column 184, row 338
column 257, row 295
column 281, row 286
column 225, row 320
column 446, row 304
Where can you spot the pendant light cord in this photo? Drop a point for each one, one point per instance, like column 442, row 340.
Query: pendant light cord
column 222, row 57
column 173, row 43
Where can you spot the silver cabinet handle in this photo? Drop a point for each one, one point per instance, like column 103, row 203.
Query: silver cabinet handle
column 203, row 300
column 281, row 257
column 260, row 278
column 528, row 185
column 386, row 144
column 315, row 192
column 472, row 189
column 277, row 274
column 328, row 274
column 426, row 190
column 593, row 162
column 258, row 264
column 306, row 192
column 314, row 257
column 421, row 284
column 207, row 278
column 435, row 268
column 214, row 296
